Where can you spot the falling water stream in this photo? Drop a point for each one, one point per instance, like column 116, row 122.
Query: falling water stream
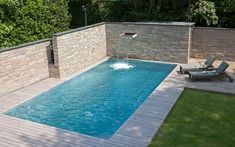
column 125, row 39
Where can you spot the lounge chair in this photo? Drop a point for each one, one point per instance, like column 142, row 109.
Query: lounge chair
column 208, row 75
column 207, row 65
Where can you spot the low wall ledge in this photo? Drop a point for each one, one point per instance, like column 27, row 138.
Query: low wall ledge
column 24, row 45
column 188, row 24
column 78, row 29
column 214, row 28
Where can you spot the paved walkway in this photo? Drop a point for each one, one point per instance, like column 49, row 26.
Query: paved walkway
column 136, row 131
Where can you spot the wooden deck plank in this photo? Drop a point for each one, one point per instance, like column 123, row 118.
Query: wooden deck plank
column 46, row 134
column 4, row 142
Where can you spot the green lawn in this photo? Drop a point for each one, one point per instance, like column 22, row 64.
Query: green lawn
column 199, row 119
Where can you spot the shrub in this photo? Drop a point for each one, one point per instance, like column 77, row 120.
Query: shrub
column 203, row 13
column 29, row 20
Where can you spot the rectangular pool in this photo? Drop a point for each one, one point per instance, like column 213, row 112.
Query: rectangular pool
column 96, row 102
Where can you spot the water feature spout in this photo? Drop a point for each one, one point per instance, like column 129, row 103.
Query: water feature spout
column 124, row 44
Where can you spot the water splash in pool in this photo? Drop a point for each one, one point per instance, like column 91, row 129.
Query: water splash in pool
column 121, row 65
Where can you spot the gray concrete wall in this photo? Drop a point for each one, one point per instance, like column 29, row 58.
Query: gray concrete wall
column 168, row 42
column 23, row 65
column 213, row 41
column 76, row 49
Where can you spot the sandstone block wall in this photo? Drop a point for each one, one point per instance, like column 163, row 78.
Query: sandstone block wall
column 23, row 65
column 76, row 49
column 213, row 41
column 156, row 41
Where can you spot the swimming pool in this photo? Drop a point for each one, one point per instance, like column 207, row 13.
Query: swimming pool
column 96, row 102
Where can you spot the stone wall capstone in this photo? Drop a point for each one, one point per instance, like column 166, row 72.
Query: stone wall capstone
column 76, row 49
column 156, row 41
column 218, row 42
column 23, row 65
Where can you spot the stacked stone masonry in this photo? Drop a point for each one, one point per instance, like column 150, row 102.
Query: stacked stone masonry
column 76, row 49
column 23, row 66
column 168, row 43
column 219, row 42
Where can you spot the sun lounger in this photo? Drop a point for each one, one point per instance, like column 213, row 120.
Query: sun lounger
column 207, row 65
column 208, row 75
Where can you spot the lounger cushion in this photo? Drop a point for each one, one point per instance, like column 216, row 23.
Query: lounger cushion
column 210, row 61
column 222, row 67
column 203, row 74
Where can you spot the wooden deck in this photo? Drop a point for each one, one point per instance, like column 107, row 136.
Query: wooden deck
column 137, row 131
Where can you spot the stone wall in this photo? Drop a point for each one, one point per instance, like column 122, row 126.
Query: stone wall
column 76, row 49
column 168, row 42
column 23, row 65
column 213, row 41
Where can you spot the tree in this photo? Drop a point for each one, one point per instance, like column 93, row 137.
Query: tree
column 29, row 20
column 155, row 10
column 203, row 13
column 225, row 10
column 75, row 9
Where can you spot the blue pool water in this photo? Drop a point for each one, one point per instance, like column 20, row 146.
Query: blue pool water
column 96, row 102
